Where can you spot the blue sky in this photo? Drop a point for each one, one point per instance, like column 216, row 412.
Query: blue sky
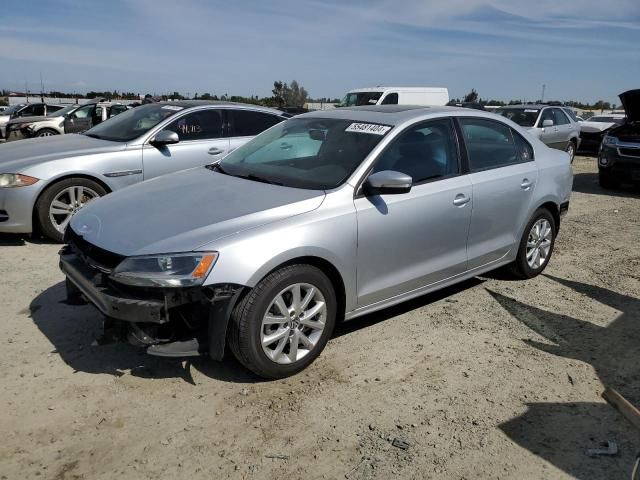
column 583, row 50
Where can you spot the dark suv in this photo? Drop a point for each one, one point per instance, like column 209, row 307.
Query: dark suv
column 619, row 155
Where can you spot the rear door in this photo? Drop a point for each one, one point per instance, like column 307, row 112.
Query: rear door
column 244, row 124
column 203, row 139
column 504, row 176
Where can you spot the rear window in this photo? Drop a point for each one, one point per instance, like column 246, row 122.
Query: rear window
column 358, row 99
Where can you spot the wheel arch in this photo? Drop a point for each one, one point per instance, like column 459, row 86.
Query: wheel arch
column 554, row 210
column 53, row 181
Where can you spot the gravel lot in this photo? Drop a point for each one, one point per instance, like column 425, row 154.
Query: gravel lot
column 491, row 379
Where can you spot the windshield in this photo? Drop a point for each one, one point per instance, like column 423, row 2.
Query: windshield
column 132, row 123
column 63, row 111
column 525, row 117
column 360, row 98
column 311, row 153
column 13, row 109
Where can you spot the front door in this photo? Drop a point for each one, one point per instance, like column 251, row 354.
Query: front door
column 80, row 120
column 202, row 141
column 410, row 240
column 504, row 176
column 550, row 135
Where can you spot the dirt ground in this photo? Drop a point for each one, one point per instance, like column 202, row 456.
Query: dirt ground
column 491, row 379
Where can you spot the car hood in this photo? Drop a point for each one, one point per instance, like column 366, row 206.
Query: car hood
column 15, row 157
column 631, row 103
column 183, row 211
column 594, row 127
column 33, row 119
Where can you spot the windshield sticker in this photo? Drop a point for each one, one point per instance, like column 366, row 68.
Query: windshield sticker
column 531, row 111
column 370, row 128
column 172, row 107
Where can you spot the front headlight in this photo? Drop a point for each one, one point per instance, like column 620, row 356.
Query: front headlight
column 168, row 270
column 11, row 180
column 608, row 140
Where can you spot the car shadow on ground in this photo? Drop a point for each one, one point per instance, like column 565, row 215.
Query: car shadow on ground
column 551, row 430
column 19, row 239
column 75, row 331
column 588, row 183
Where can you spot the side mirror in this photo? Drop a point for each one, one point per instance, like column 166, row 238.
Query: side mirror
column 387, row 182
column 164, row 137
column 547, row 123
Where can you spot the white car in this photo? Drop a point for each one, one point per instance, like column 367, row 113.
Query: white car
column 396, row 96
column 596, row 127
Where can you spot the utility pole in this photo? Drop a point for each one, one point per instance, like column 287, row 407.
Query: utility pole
column 41, row 89
column 26, row 90
column 543, row 89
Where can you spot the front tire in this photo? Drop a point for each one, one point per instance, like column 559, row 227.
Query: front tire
column 536, row 245
column 60, row 201
column 46, row 132
column 284, row 323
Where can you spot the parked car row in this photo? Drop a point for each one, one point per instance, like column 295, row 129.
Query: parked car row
column 325, row 216
column 25, row 110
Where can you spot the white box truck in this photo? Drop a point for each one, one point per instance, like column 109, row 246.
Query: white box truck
column 396, row 96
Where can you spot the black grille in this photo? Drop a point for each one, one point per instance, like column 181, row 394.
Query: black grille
column 94, row 256
column 630, row 152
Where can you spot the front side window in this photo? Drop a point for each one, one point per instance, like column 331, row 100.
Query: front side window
column 248, row 123
column 198, row 125
column 525, row 117
column 547, row 114
column 572, row 114
column 390, row 99
column 489, row 144
column 424, row 152
column 83, row 112
column 133, row 123
column 310, row 153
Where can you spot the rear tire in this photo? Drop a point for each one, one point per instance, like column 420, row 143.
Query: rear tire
column 47, row 132
column 606, row 182
column 69, row 196
column 267, row 322
column 571, row 149
column 536, row 245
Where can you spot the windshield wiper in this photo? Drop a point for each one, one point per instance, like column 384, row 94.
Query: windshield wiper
column 250, row 176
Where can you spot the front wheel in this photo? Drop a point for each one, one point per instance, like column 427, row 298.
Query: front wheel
column 536, row 245
column 46, row 132
column 61, row 200
column 283, row 324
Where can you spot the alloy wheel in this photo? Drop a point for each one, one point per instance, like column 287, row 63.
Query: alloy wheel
column 293, row 323
column 67, row 202
column 539, row 243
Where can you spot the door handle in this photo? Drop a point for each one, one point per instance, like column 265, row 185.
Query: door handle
column 526, row 183
column 461, row 200
column 215, row 151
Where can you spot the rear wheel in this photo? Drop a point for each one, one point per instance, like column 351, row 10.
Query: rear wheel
column 283, row 324
column 61, row 200
column 536, row 245
column 571, row 149
column 46, row 132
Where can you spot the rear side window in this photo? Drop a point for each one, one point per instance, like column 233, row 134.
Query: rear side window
column 560, row 118
column 247, row 123
column 492, row 145
column 198, row 125
column 390, row 99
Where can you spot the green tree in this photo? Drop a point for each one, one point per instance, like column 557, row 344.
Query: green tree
column 472, row 96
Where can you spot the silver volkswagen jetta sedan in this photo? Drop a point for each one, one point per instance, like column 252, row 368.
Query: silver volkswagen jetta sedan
column 325, row 217
column 43, row 181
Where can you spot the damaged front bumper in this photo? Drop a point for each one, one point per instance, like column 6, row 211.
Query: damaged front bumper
column 173, row 322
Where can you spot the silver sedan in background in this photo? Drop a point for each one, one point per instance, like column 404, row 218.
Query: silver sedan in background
column 43, row 181
column 327, row 216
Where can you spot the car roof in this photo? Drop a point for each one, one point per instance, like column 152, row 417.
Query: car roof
column 219, row 103
column 387, row 114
